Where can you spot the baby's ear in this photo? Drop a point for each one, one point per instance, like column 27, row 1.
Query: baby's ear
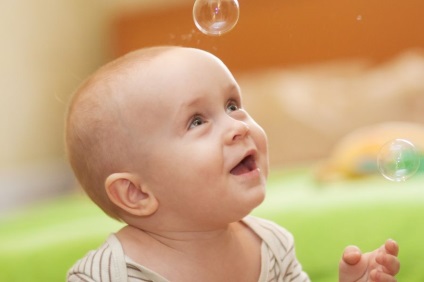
column 128, row 193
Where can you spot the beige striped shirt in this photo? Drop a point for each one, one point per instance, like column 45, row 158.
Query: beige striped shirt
column 109, row 263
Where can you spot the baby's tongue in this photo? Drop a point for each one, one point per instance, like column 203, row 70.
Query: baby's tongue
column 240, row 169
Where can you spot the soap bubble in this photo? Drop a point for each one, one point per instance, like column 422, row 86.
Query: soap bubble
column 398, row 160
column 215, row 17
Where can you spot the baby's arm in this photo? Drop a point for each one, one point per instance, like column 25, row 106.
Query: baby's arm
column 380, row 265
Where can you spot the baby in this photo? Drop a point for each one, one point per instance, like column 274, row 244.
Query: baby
column 159, row 139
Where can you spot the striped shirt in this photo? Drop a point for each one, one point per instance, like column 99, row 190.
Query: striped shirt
column 109, row 263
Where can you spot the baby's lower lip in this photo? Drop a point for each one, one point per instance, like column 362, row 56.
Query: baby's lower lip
column 251, row 175
column 239, row 170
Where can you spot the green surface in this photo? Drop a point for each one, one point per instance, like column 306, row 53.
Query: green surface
column 42, row 242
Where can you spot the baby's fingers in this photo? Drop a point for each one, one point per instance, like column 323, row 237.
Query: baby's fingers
column 379, row 276
column 391, row 247
column 390, row 263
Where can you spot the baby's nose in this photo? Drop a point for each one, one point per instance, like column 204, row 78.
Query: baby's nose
column 236, row 131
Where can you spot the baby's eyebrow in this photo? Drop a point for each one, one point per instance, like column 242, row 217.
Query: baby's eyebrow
column 192, row 102
column 234, row 91
column 231, row 89
column 187, row 108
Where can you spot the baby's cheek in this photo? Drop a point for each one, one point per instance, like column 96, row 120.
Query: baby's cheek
column 264, row 161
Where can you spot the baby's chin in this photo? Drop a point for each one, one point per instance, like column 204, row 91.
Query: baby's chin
column 258, row 199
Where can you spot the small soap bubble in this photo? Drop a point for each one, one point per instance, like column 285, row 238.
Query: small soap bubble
column 398, row 160
column 215, row 17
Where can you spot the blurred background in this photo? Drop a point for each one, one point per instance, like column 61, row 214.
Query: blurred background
column 329, row 80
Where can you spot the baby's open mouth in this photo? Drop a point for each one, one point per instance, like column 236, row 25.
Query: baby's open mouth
column 246, row 165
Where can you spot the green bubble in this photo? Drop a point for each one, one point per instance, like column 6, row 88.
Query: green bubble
column 398, row 160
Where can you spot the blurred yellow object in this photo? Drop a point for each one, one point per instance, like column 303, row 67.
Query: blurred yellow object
column 356, row 154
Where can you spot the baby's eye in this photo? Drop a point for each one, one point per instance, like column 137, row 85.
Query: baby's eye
column 196, row 121
column 232, row 106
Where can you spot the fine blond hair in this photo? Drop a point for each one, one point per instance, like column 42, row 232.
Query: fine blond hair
column 97, row 138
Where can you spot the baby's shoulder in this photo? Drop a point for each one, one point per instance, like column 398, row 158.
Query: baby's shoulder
column 271, row 233
column 278, row 247
column 261, row 225
column 107, row 263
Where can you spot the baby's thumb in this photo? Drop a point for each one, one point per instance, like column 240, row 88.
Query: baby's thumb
column 351, row 255
column 352, row 265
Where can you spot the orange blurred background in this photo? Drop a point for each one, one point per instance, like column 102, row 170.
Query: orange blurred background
column 278, row 33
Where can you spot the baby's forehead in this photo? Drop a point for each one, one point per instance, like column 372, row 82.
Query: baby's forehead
column 145, row 76
column 139, row 69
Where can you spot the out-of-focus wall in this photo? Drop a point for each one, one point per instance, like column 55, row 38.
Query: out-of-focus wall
column 47, row 48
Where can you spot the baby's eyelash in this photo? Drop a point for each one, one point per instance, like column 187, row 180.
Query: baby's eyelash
column 197, row 120
column 232, row 105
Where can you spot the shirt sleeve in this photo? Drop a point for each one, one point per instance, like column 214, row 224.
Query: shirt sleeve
column 78, row 277
column 106, row 264
column 284, row 265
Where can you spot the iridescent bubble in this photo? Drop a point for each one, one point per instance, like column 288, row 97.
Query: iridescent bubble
column 398, row 160
column 215, row 17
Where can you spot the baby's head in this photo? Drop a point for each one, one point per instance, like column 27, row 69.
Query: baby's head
column 160, row 134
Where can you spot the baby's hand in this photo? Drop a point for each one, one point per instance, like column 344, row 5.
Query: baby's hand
column 380, row 265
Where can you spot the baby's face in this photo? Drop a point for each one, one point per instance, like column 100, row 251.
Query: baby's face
column 207, row 159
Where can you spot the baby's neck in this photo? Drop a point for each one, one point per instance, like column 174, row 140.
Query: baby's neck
column 188, row 241
column 200, row 253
